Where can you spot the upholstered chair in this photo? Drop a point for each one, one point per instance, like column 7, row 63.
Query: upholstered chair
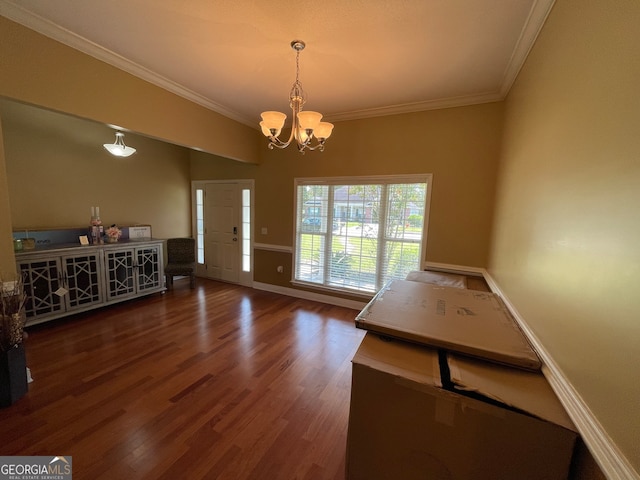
column 181, row 260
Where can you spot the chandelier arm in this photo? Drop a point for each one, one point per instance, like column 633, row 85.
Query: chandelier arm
column 318, row 146
column 276, row 142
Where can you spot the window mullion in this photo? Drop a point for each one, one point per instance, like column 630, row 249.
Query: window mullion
column 328, row 238
column 382, row 228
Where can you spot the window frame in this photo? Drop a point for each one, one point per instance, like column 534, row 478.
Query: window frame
column 426, row 178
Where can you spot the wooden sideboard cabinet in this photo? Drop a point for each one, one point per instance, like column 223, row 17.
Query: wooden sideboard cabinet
column 65, row 280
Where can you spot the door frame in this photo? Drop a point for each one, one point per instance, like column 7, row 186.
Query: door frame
column 244, row 278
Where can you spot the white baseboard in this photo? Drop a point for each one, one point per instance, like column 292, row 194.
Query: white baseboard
column 449, row 268
column 317, row 297
column 613, row 463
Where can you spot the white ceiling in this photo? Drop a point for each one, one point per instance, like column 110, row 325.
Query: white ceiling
column 363, row 58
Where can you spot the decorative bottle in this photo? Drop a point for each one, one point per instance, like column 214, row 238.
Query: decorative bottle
column 96, row 230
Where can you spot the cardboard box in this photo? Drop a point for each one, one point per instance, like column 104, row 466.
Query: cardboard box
column 404, row 423
column 466, row 321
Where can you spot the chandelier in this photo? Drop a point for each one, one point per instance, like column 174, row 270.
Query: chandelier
column 306, row 124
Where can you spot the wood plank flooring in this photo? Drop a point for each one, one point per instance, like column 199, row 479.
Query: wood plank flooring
column 218, row 382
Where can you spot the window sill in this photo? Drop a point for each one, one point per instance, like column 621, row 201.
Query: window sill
column 334, row 290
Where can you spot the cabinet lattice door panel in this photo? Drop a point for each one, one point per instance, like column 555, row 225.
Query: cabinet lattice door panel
column 82, row 278
column 120, row 273
column 42, row 279
column 148, row 265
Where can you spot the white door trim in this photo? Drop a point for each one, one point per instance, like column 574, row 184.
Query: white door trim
column 245, row 278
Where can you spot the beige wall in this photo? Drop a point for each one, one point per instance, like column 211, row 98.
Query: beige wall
column 566, row 247
column 459, row 146
column 7, row 261
column 566, row 230
column 57, row 170
column 43, row 72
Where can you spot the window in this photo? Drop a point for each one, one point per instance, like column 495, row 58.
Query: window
column 200, row 225
column 246, row 230
column 357, row 233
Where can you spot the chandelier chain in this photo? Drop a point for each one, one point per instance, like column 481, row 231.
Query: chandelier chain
column 297, row 96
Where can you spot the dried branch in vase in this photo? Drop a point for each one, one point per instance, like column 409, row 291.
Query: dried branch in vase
column 12, row 313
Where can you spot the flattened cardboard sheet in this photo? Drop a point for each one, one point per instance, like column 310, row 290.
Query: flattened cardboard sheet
column 464, row 321
column 417, row 363
column 438, row 278
column 526, row 391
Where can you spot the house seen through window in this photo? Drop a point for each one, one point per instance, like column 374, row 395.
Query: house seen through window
column 357, row 233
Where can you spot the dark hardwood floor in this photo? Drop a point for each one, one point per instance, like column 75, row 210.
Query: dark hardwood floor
column 218, row 382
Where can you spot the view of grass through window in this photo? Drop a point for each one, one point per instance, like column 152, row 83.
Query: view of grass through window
column 358, row 236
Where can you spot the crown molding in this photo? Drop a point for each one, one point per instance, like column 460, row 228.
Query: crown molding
column 416, row 107
column 535, row 21
column 532, row 27
column 49, row 29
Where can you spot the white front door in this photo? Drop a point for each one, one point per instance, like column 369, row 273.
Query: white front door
column 222, row 231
